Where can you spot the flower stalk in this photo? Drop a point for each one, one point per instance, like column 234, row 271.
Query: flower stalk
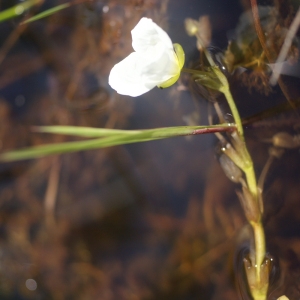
column 259, row 286
column 256, row 271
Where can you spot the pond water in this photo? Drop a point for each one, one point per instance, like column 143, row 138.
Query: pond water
column 156, row 220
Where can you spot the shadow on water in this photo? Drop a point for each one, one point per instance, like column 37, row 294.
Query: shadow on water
column 157, row 220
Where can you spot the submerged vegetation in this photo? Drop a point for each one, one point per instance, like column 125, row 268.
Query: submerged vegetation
column 155, row 220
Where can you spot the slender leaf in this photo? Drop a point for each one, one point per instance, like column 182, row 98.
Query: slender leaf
column 17, row 9
column 88, row 132
column 92, row 132
column 110, row 137
column 47, row 13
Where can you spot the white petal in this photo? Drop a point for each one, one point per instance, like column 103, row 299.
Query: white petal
column 153, row 63
column 146, row 35
column 160, row 68
column 127, row 78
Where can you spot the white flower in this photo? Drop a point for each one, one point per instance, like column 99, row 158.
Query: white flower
column 154, row 62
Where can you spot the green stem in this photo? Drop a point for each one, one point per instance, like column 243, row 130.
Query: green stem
column 259, row 236
column 258, row 230
column 260, row 246
column 235, row 113
column 251, row 180
column 239, row 142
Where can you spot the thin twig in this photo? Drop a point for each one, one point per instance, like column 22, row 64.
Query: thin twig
column 285, row 48
column 259, row 31
column 51, row 192
column 262, row 40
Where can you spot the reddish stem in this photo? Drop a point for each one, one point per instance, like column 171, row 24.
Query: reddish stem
column 259, row 31
column 214, row 130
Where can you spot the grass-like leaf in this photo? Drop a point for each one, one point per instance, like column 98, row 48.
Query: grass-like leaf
column 47, row 13
column 109, row 137
column 88, row 132
column 17, row 10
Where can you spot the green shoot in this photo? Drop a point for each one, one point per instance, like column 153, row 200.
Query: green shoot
column 17, row 10
column 47, row 13
column 109, row 137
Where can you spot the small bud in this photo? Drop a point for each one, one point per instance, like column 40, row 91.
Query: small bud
column 231, row 170
column 233, row 155
column 191, row 26
column 283, row 297
column 285, row 140
column 201, row 29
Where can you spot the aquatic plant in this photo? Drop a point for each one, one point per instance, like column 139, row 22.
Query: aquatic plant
column 157, row 62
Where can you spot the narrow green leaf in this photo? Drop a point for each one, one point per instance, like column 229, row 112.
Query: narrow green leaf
column 88, row 132
column 110, row 137
column 69, row 147
column 17, row 9
column 47, row 13
column 91, row 132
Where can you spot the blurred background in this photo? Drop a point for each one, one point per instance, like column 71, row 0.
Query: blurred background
column 156, row 220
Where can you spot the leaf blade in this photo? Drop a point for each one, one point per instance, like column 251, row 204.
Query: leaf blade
column 17, row 10
column 47, row 13
column 121, row 137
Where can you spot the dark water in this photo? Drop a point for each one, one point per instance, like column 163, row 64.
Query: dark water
column 157, row 220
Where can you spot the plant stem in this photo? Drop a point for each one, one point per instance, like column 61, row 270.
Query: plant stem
column 259, row 235
column 258, row 230
column 235, row 113
column 256, row 275
column 260, row 246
